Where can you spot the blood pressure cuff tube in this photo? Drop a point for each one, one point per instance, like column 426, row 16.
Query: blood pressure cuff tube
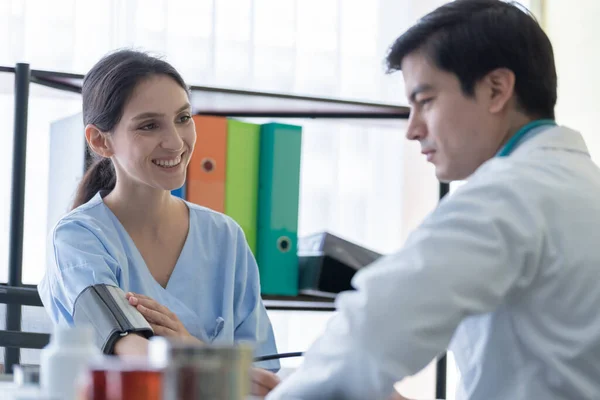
column 105, row 308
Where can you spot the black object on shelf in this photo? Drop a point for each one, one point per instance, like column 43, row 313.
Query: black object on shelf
column 327, row 263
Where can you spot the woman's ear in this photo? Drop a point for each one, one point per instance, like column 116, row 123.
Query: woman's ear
column 98, row 141
column 501, row 89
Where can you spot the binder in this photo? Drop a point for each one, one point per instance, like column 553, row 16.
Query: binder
column 179, row 192
column 206, row 170
column 241, row 184
column 278, row 197
column 68, row 162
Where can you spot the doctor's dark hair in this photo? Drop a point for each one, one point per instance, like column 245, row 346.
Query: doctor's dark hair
column 106, row 89
column 470, row 38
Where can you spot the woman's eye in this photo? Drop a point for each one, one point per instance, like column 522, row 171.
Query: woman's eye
column 184, row 118
column 148, row 127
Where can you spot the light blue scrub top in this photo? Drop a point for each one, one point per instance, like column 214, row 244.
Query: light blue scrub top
column 214, row 289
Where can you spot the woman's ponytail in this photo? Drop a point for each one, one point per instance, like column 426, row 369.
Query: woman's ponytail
column 99, row 176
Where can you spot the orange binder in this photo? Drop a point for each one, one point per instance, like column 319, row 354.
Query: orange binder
column 206, row 171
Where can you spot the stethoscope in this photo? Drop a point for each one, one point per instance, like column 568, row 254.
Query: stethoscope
column 521, row 133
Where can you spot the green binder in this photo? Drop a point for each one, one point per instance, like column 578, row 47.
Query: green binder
column 278, row 197
column 241, row 182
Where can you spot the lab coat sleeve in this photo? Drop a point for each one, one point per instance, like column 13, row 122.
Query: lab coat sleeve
column 77, row 259
column 252, row 321
column 468, row 255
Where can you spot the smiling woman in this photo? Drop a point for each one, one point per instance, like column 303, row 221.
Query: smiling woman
column 187, row 270
column 151, row 88
column 149, row 147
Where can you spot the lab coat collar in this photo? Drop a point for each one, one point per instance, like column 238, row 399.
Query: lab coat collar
column 557, row 138
column 549, row 138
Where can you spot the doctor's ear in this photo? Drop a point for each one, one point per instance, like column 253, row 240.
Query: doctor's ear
column 500, row 88
column 98, row 141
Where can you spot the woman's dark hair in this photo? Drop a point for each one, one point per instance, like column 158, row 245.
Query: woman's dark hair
column 106, row 89
column 471, row 38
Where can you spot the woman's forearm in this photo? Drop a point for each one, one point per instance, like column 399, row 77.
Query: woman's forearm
column 132, row 345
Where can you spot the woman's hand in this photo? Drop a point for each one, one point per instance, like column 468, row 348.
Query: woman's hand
column 161, row 319
column 263, row 381
column 166, row 323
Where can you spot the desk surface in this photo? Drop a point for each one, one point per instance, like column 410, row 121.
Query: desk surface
column 12, row 392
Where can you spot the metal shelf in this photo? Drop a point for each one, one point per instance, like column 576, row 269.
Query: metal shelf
column 231, row 102
column 29, row 296
column 222, row 101
column 298, row 303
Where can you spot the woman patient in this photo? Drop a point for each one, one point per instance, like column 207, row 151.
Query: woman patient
column 188, row 270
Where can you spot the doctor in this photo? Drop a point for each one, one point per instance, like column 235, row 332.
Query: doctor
column 506, row 271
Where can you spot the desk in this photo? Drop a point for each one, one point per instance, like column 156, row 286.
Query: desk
column 12, row 392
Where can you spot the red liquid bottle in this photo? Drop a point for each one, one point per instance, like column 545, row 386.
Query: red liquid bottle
column 123, row 380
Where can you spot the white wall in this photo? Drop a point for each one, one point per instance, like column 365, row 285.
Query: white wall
column 574, row 30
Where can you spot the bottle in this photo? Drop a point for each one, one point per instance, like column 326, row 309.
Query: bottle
column 64, row 361
column 123, row 379
column 198, row 371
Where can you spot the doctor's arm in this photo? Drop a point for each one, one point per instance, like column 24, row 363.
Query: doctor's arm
column 463, row 260
column 77, row 261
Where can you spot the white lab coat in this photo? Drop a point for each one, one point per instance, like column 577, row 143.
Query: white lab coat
column 506, row 271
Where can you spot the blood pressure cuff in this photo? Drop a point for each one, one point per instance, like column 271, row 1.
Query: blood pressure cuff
column 106, row 309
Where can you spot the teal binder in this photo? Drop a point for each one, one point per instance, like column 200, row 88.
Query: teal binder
column 278, row 198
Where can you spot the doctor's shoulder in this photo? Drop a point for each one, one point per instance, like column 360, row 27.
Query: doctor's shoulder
column 509, row 184
column 525, row 175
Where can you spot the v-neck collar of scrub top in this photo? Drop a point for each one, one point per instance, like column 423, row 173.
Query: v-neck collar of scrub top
column 140, row 259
